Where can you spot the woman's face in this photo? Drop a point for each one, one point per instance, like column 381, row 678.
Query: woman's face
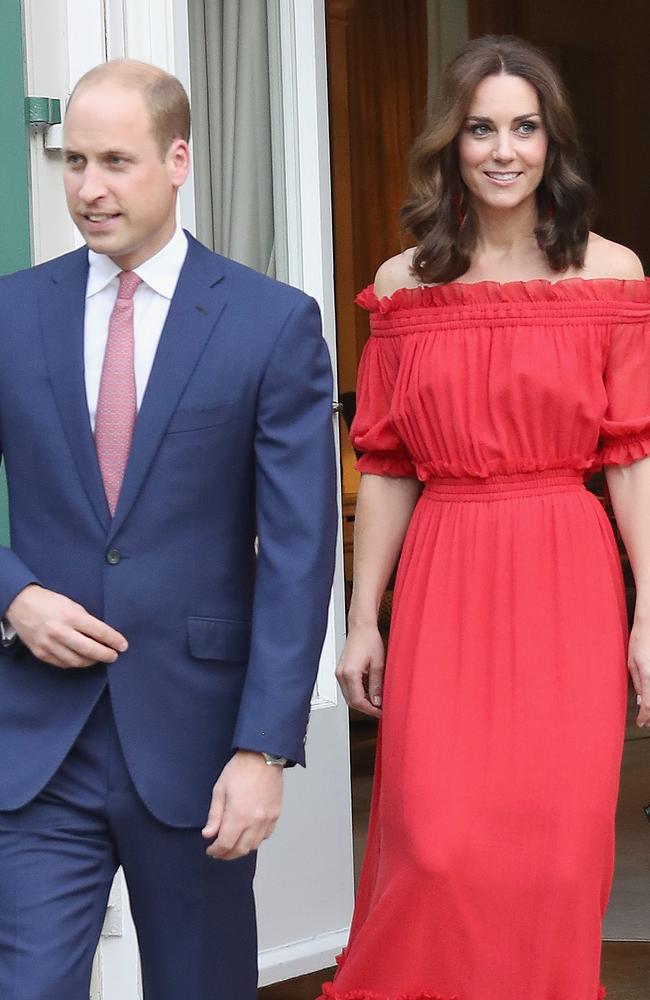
column 502, row 145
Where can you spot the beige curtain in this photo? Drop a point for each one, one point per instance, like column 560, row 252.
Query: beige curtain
column 231, row 107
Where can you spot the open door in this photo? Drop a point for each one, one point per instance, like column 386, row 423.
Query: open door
column 14, row 197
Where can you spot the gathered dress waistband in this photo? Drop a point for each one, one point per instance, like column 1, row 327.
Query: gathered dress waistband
column 518, row 485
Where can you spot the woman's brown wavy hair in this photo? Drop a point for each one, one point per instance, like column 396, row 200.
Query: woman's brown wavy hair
column 447, row 236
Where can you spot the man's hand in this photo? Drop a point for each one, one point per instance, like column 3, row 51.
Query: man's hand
column 60, row 631
column 246, row 803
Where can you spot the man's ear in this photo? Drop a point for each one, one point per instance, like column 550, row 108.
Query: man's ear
column 178, row 159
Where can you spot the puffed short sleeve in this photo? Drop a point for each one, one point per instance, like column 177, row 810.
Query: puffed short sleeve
column 625, row 430
column 373, row 431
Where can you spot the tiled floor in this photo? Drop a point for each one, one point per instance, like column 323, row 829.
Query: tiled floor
column 305, row 988
column 626, row 970
column 626, row 964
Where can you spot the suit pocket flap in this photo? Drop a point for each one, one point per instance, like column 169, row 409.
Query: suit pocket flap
column 200, row 417
column 218, row 638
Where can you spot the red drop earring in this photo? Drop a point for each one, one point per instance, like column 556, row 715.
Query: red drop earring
column 460, row 211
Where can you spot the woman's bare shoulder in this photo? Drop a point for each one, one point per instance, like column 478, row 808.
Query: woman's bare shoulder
column 606, row 259
column 395, row 273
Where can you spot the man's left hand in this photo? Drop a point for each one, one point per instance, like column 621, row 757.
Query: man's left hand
column 246, row 803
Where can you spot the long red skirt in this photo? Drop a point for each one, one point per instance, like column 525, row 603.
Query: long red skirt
column 490, row 851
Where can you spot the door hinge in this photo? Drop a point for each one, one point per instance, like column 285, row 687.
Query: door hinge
column 43, row 111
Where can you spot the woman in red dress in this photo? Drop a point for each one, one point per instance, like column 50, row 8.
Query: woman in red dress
column 509, row 356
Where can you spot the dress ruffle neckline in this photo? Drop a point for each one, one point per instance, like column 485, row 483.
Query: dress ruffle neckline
column 459, row 293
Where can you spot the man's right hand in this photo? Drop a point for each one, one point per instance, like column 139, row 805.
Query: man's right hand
column 60, row 631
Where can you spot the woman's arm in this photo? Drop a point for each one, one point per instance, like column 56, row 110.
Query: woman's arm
column 384, row 509
column 629, row 489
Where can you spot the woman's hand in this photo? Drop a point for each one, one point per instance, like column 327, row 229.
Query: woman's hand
column 629, row 490
column 383, row 513
column 638, row 661
column 360, row 671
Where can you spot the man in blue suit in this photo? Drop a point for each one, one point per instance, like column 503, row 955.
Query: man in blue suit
column 161, row 407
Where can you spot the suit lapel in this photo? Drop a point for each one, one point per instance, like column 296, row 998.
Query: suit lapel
column 62, row 311
column 193, row 314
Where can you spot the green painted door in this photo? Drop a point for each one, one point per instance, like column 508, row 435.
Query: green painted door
column 15, row 250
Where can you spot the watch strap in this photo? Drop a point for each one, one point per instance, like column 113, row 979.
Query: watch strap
column 7, row 633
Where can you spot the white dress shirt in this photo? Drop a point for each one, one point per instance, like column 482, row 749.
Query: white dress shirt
column 150, row 307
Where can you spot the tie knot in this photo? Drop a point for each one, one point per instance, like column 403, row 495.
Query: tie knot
column 129, row 281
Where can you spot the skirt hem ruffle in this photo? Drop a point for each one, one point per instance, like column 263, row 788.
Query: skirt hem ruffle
column 330, row 993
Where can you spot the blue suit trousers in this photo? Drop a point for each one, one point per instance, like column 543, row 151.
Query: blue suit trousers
column 195, row 916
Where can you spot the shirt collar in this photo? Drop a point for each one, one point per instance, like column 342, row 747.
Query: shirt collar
column 160, row 272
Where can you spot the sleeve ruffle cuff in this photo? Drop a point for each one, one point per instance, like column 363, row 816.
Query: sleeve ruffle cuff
column 624, row 450
column 386, row 465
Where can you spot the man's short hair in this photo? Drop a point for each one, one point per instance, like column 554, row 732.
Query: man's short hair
column 164, row 96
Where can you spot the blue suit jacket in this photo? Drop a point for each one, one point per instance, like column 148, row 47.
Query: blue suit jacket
column 233, row 440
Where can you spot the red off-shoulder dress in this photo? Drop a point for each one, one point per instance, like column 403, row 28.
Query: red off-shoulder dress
column 490, row 851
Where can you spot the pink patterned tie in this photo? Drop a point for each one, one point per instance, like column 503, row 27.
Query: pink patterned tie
column 117, row 401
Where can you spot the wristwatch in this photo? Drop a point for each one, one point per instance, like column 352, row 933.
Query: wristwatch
column 7, row 634
column 274, row 758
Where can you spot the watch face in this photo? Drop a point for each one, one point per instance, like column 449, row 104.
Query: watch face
column 274, row 758
column 7, row 634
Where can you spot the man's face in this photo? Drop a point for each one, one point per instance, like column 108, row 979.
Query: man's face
column 121, row 191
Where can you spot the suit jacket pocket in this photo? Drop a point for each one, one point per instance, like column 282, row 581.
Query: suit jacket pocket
column 218, row 638
column 198, row 418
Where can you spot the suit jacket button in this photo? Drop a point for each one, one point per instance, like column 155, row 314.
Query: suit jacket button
column 113, row 556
